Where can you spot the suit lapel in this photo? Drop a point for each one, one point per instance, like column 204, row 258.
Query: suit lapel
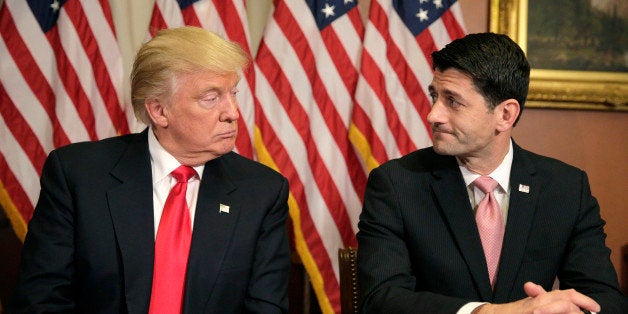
column 524, row 191
column 131, row 208
column 451, row 194
column 212, row 233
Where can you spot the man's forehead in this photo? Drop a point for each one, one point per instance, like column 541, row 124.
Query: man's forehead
column 207, row 78
column 452, row 77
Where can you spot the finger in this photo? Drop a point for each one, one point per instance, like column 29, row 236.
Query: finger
column 571, row 297
column 532, row 289
column 583, row 301
column 559, row 306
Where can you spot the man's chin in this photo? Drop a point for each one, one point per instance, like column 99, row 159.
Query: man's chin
column 225, row 149
column 442, row 149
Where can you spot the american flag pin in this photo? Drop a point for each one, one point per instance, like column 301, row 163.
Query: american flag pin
column 524, row 188
column 223, row 208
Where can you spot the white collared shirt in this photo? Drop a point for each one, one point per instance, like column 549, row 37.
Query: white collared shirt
column 501, row 174
column 162, row 164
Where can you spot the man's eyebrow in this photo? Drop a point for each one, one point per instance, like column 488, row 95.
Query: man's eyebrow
column 212, row 88
column 449, row 92
column 446, row 92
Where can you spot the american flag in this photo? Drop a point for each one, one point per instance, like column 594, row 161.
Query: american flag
column 307, row 69
column 227, row 19
column 60, row 82
column 392, row 99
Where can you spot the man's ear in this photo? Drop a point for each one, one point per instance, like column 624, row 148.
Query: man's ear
column 507, row 113
column 155, row 110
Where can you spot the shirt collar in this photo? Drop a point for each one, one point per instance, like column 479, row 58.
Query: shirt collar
column 163, row 163
column 501, row 174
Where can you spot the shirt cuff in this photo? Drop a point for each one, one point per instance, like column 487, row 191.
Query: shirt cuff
column 469, row 307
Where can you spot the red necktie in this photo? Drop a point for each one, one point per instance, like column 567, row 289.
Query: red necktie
column 490, row 221
column 172, row 247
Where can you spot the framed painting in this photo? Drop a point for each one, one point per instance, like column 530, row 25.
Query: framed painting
column 577, row 49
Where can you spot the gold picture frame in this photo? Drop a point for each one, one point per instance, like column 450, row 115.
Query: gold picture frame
column 559, row 88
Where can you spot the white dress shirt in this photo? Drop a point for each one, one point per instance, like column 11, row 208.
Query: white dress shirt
column 502, row 192
column 162, row 164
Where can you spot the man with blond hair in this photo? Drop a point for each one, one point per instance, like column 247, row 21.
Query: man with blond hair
column 168, row 220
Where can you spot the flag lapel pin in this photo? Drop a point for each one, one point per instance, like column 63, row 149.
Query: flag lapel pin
column 223, row 208
column 524, row 188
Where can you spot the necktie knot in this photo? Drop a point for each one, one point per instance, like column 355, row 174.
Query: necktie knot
column 486, row 184
column 183, row 173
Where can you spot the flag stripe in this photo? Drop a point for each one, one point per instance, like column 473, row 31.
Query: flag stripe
column 14, row 201
column 106, row 65
column 20, row 54
column 304, row 108
column 20, row 130
column 69, row 78
column 306, row 101
column 308, row 214
column 189, row 16
column 157, row 20
column 382, row 112
column 319, row 97
column 17, row 94
column 20, row 181
column 54, row 97
column 363, row 136
column 346, row 66
column 392, row 102
column 57, row 87
column 297, row 115
column 452, row 24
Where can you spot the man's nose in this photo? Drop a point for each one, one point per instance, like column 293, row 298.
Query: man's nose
column 435, row 114
column 230, row 111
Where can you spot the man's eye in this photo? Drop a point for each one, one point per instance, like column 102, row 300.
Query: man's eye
column 433, row 98
column 453, row 103
column 209, row 101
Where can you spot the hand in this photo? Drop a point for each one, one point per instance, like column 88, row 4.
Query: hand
column 540, row 301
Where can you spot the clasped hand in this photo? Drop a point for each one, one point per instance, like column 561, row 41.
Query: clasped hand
column 540, row 301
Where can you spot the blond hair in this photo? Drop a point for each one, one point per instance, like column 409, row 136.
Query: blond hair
column 179, row 51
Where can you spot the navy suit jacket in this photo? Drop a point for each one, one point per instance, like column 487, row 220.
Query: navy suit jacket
column 90, row 244
column 419, row 250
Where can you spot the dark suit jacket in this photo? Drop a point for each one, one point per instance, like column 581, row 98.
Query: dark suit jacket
column 419, row 249
column 90, row 244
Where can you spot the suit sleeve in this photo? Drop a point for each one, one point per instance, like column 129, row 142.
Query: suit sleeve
column 267, row 292
column 46, row 269
column 596, row 279
column 386, row 280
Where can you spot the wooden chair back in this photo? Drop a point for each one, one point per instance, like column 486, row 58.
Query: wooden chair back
column 347, row 260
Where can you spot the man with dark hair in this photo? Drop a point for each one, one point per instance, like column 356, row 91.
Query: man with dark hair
column 475, row 223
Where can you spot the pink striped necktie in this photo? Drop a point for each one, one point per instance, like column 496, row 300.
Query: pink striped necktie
column 490, row 221
column 172, row 248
